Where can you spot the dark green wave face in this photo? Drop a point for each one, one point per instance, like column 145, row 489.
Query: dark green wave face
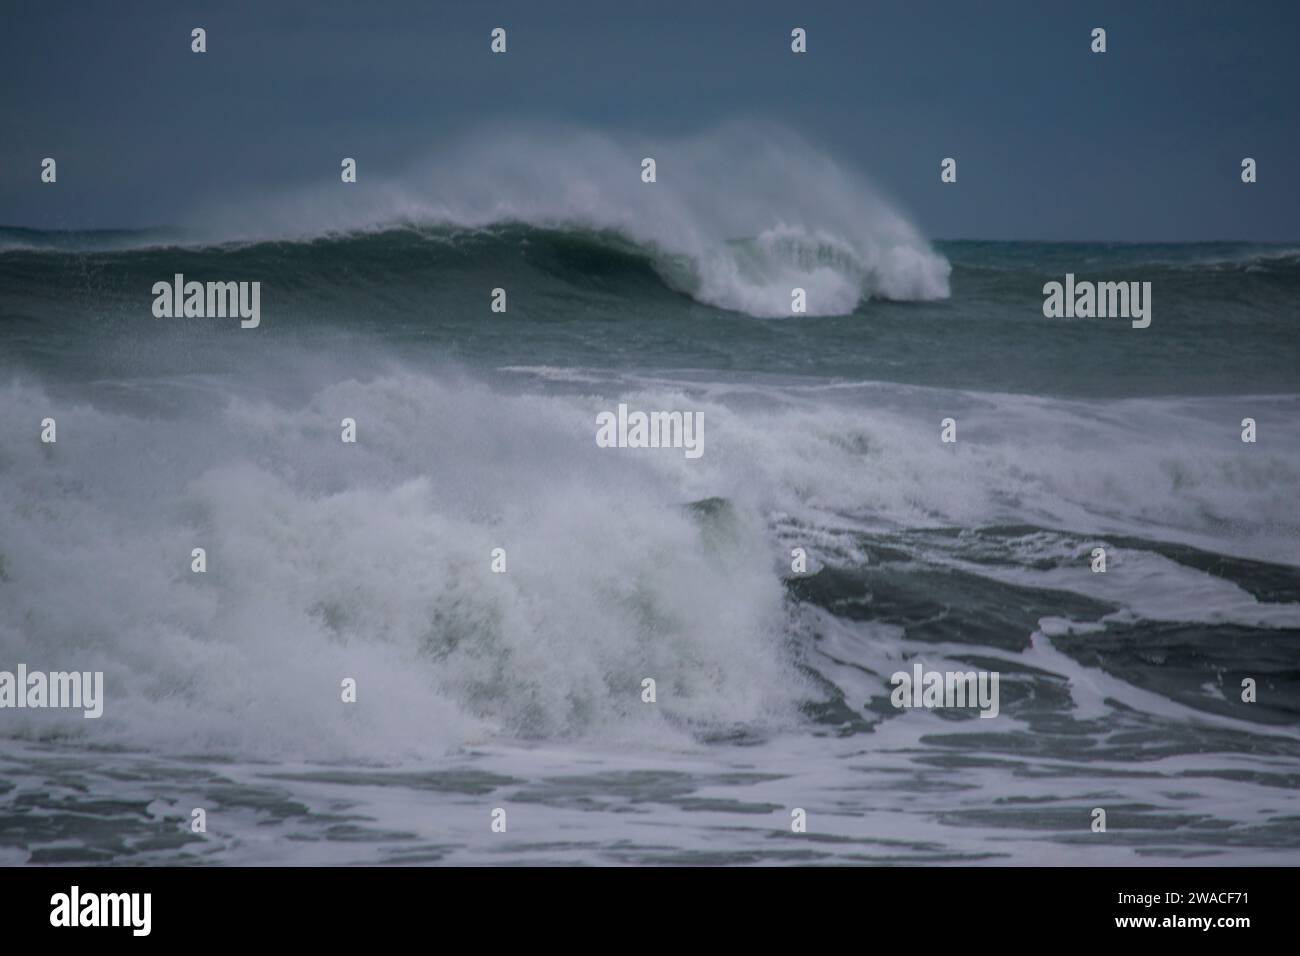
column 1223, row 314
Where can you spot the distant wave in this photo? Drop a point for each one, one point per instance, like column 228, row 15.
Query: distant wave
column 1040, row 257
column 754, row 275
column 738, row 217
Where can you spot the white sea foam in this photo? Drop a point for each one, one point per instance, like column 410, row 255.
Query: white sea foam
column 373, row 561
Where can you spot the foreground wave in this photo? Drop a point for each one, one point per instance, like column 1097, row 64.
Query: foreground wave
column 374, row 565
column 373, row 562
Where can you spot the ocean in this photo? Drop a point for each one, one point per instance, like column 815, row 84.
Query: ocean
column 523, row 690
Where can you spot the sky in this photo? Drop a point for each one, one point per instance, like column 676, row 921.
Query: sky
column 1052, row 141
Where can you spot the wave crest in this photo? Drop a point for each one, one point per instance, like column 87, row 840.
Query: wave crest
column 738, row 218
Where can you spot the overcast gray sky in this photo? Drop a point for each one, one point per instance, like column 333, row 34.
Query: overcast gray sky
column 1143, row 142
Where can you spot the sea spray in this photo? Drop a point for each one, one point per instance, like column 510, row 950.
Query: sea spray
column 740, row 216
